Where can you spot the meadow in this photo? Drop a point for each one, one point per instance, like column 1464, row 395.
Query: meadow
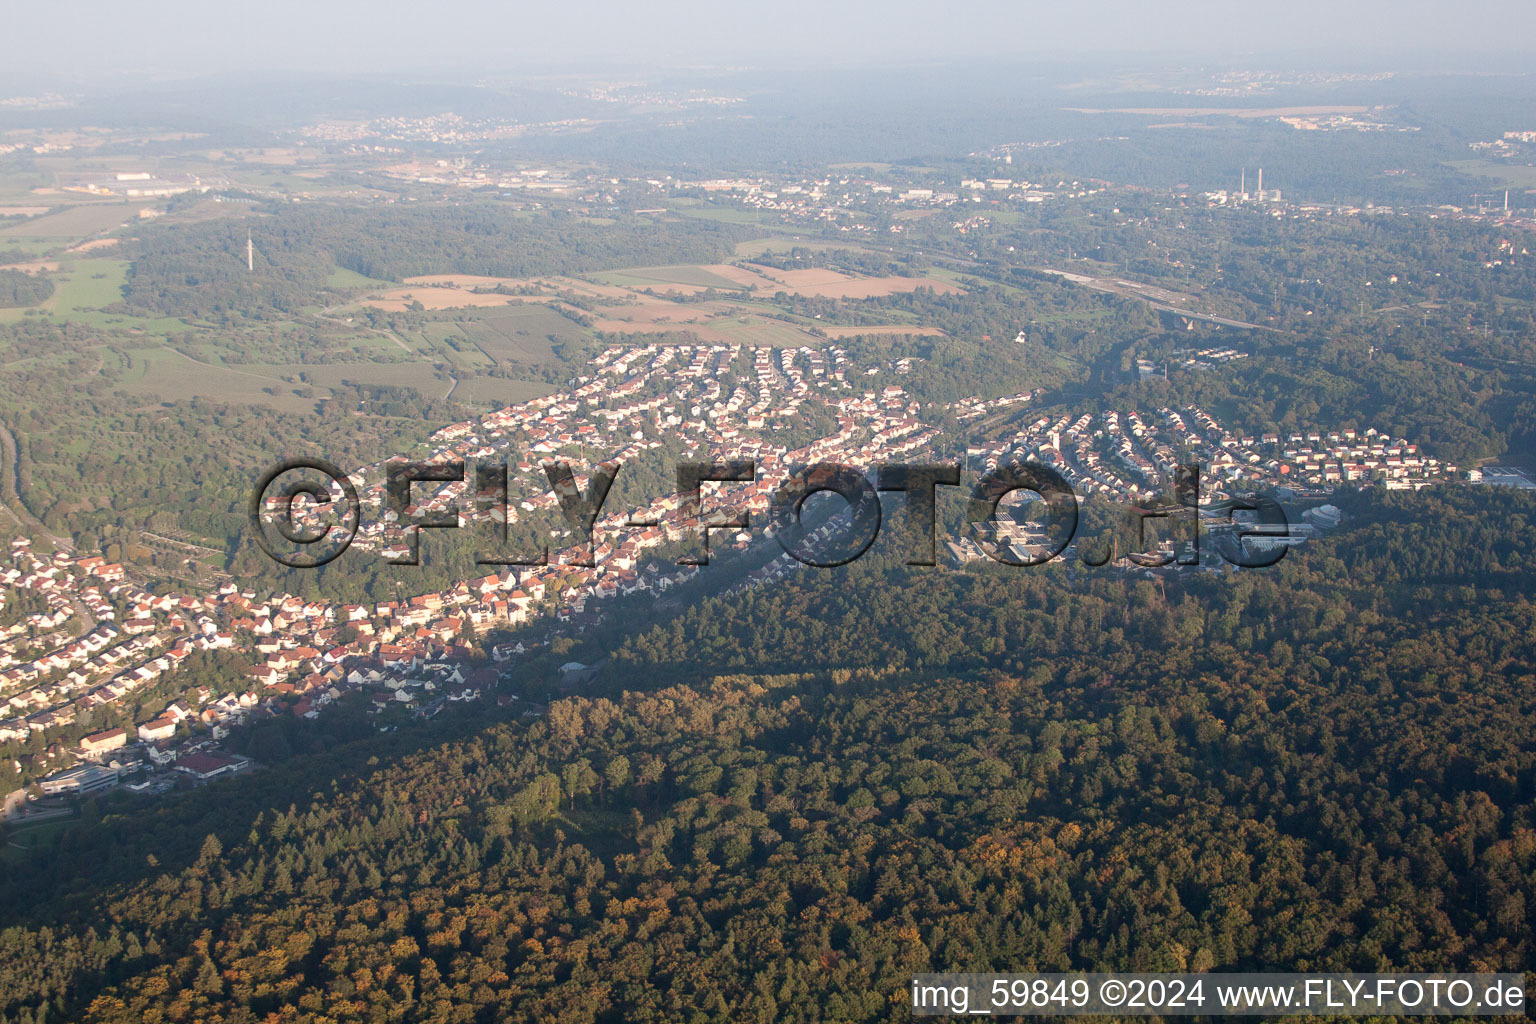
column 1519, row 178
column 524, row 333
column 73, row 222
column 83, row 287
column 647, row 277
column 169, row 375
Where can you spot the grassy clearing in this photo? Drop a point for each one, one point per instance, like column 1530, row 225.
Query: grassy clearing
column 342, row 279
column 274, row 179
column 82, row 287
column 19, row 188
column 375, row 345
column 414, row 341
column 31, row 248
column 27, row 840
column 442, row 332
column 955, row 277
column 89, row 285
column 166, row 373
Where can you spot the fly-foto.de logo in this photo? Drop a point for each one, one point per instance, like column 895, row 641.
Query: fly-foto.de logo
column 316, row 508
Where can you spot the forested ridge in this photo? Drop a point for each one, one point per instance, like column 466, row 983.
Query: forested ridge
column 780, row 806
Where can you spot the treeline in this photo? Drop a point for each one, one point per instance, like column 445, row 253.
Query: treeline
column 781, row 806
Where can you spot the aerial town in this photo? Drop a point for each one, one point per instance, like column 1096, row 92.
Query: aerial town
column 654, row 517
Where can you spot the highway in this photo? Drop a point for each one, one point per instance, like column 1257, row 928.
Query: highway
column 1158, row 298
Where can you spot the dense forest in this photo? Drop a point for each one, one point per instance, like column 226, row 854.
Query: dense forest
column 779, row 806
column 19, row 289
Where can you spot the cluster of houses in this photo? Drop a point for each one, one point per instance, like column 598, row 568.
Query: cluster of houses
column 131, row 639
column 309, row 654
column 709, row 401
column 1129, row 456
column 970, row 409
column 1191, row 359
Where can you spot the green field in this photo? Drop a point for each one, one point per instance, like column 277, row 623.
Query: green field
column 324, row 376
column 29, row 247
column 650, row 277
column 88, row 285
column 496, row 391
column 438, row 332
column 82, row 287
column 447, row 340
column 645, row 277
column 772, row 333
column 725, row 215
column 785, row 243
column 19, row 188
column 525, row 333
column 74, row 222
column 1510, row 176
column 171, row 376
column 282, row 180
column 1097, row 312
column 342, row 279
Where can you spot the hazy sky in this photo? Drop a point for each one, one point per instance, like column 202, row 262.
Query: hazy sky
column 87, row 38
